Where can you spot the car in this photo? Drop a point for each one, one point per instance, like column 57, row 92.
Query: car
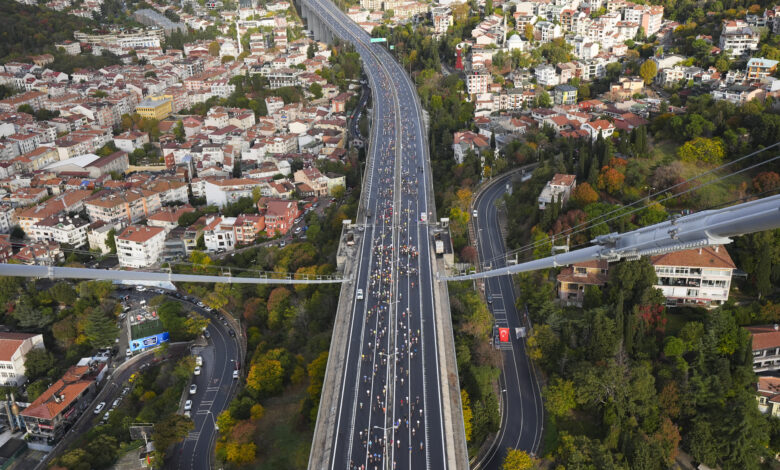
column 232, row 333
column 359, row 295
column 116, row 403
column 206, row 334
column 105, row 417
column 100, row 407
column 198, row 360
column 474, row 213
column 125, row 391
column 187, row 414
column 140, row 288
column 187, row 405
column 123, row 315
column 193, row 389
column 129, row 353
column 297, row 230
column 235, row 374
column 200, row 304
column 197, row 370
column 282, row 244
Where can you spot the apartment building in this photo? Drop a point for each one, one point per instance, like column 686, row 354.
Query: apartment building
column 759, row 68
column 248, row 228
column 700, row 277
column 649, row 17
column 478, row 81
column 559, row 188
column 13, row 350
column 219, row 234
column 122, row 208
column 280, row 216
column 139, row 246
column 7, row 217
column 565, row 95
column 230, row 190
column 168, row 217
column 72, row 201
column 738, row 38
column 314, row 179
column 154, row 108
column 64, row 229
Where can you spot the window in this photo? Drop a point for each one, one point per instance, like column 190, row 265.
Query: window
column 692, row 292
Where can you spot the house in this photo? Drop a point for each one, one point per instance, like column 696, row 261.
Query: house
column 97, row 236
column 572, row 280
column 559, row 188
column 738, row 38
column 599, row 127
column 131, row 140
column 768, row 395
column 279, row 216
column 695, row 277
column 139, row 246
column 766, row 347
column 464, row 141
column 314, row 179
column 546, row 75
column 230, row 190
column 72, row 201
column 168, row 217
column 49, row 416
column 13, row 350
column 46, row 253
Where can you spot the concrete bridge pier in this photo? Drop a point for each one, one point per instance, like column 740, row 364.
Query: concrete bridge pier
column 314, row 24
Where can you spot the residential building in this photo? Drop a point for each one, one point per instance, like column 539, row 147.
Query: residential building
column 546, row 75
column 442, row 20
column 219, row 234
column 280, row 216
column 226, row 191
column 599, row 127
column 154, row 108
column 13, row 350
column 63, row 229
column 248, row 228
column 649, row 17
column 314, row 179
column 695, row 277
column 97, row 236
column 139, row 246
column 72, row 201
column 768, row 395
column 478, row 81
column 573, row 280
column 558, row 189
column 60, row 405
column 131, row 140
column 738, row 38
column 122, row 208
column 168, row 217
column 766, row 347
column 565, row 95
column 7, row 217
column 758, row 68
column 464, row 141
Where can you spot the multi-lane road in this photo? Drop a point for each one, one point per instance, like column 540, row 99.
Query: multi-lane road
column 389, row 413
column 521, row 398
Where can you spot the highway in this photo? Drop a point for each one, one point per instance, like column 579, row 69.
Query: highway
column 389, row 412
column 522, row 408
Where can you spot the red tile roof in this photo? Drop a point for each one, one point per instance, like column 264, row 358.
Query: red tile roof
column 707, row 257
column 764, row 336
column 10, row 342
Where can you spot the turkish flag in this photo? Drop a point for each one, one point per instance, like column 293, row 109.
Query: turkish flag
column 503, row 335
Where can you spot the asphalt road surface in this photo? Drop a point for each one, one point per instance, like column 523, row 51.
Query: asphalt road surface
column 389, row 413
column 522, row 417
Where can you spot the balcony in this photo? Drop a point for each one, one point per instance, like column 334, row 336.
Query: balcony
column 679, row 282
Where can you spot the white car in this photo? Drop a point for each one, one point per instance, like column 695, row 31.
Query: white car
column 140, row 288
column 116, row 403
column 359, row 295
column 193, row 389
column 197, row 370
column 198, row 360
column 187, row 405
column 105, row 417
column 100, row 407
column 474, row 213
column 235, row 374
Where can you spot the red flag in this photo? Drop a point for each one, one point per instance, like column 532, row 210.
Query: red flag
column 503, row 335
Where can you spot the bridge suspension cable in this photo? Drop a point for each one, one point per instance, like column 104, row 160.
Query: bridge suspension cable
column 710, row 227
column 56, row 272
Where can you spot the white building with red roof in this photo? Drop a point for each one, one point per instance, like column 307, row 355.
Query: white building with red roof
column 139, row 246
column 599, row 127
column 699, row 277
column 13, row 350
column 766, row 347
column 768, row 397
column 559, row 188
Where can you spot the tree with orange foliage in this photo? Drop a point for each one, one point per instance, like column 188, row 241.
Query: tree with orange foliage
column 584, row 194
column 610, row 180
column 766, row 181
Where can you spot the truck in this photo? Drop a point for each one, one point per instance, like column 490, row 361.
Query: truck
column 350, row 239
column 438, row 244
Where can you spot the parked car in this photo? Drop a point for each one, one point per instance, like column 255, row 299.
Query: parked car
column 235, row 374
column 187, row 405
column 193, row 389
column 197, row 370
column 105, row 417
column 198, row 360
column 116, row 403
column 125, row 391
column 100, row 407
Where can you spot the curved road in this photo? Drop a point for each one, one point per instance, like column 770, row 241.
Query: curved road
column 522, row 414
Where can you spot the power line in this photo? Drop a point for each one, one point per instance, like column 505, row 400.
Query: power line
column 589, row 223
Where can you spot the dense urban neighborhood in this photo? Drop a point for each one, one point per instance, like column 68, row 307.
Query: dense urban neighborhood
column 267, row 141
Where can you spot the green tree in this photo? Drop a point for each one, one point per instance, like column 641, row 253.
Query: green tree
column 214, row 49
column 174, row 428
column 100, row 329
column 38, row 363
column 111, row 241
column 316, row 90
column 560, row 397
column 468, row 415
column 702, row 150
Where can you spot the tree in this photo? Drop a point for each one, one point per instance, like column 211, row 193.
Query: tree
column 766, row 181
column 100, row 329
column 702, row 150
column 171, row 430
column 517, row 460
column 178, row 132
column 648, row 70
column 316, row 90
column 560, row 397
column 543, row 100
column 467, row 413
column 611, row 180
column 214, row 49
column 111, row 241
column 584, row 194
column 241, row 454
column 17, row 233
column 37, row 363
